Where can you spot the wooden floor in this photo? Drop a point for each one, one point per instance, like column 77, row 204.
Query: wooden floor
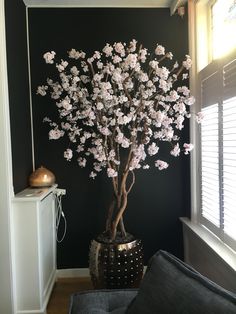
column 60, row 298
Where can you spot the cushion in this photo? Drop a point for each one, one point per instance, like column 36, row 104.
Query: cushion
column 101, row 301
column 172, row 287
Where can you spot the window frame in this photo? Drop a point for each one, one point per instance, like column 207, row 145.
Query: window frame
column 199, row 14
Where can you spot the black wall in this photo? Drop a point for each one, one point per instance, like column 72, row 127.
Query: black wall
column 18, row 83
column 158, row 198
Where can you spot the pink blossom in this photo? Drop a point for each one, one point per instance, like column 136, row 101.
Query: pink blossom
column 173, row 96
column 123, row 120
column 168, row 134
column 188, row 148
column 160, row 50
column 105, row 131
column 143, row 54
column 111, row 173
column 125, row 143
column 184, row 90
column 61, row 67
column 116, row 75
column 161, row 165
column 179, row 122
column 116, row 59
column 74, row 54
column 154, row 64
column 85, row 68
column 97, row 55
column 132, row 45
column 119, row 137
column 107, row 50
column 92, row 175
column 112, row 154
column 131, row 60
column 199, row 117
column 42, row 90
column 125, row 100
column 97, row 166
column 66, row 104
column 80, row 148
column 139, row 155
column 68, row 154
column 169, row 55
column 82, row 139
column 92, row 115
column 97, row 77
column 163, row 73
column 190, row 101
column 160, row 116
column 55, row 134
column 82, row 162
column 175, row 151
column 179, row 107
column 49, row 57
column 176, row 65
column 187, row 63
column 143, row 77
column 74, row 70
column 99, row 65
column 163, row 85
column 153, row 149
column 119, row 48
column 66, row 126
column 100, row 106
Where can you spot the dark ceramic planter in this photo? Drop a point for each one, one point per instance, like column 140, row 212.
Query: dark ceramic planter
column 116, row 265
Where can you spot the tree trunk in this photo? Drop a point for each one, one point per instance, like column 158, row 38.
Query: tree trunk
column 119, row 215
column 115, row 217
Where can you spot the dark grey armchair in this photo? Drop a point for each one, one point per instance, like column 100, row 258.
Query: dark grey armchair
column 169, row 286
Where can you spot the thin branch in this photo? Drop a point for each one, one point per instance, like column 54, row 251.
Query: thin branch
column 122, row 227
column 132, row 183
column 110, row 214
column 180, row 70
column 91, row 67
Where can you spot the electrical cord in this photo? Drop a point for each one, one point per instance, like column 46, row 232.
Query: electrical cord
column 59, row 217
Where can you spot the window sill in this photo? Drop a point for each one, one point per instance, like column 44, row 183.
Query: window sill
column 222, row 250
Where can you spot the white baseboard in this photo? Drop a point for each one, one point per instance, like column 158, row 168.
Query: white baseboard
column 73, row 273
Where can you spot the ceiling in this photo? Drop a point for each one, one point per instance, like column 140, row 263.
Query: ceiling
column 172, row 4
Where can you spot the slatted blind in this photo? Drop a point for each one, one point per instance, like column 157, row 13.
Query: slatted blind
column 229, row 80
column 210, row 165
column 229, row 167
column 209, row 86
column 218, row 152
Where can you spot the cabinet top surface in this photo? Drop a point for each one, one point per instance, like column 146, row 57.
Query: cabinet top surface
column 34, row 194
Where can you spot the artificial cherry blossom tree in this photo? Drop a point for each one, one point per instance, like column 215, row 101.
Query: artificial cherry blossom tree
column 117, row 106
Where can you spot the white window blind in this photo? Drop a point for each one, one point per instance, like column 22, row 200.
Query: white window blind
column 218, row 151
column 229, row 167
column 210, row 165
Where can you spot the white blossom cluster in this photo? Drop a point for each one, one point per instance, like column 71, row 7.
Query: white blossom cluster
column 118, row 105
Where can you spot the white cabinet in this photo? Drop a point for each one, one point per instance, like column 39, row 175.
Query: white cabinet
column 34, row 249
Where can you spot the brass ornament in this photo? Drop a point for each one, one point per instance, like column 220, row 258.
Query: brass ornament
column 41, row 177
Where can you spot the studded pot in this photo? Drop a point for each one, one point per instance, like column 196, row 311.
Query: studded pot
column 116, row 265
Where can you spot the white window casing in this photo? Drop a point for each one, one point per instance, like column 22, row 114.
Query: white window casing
column 213, row 162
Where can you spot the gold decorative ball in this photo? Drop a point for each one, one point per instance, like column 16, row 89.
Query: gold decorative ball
column 41, row 177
